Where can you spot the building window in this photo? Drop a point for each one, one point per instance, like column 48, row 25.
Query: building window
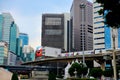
column 53, row 21
column 97, row 6
column 98, row 17
column 99, row 43
column 98, row 22
column 99, row 48
column 99, row 33
column 53, row 32
column 99, row 27
column 99, row 38
column 95, row 12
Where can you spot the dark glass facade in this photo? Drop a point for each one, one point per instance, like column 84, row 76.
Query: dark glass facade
column 53, row 30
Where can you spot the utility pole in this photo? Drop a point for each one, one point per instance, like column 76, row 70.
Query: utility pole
column 114, row 54
column 82, row 7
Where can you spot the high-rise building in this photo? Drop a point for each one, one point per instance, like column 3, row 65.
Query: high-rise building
column 13, row 37
column 11, row 58
column 24, row 37
column 19, row 47
column 8, row 31
column 103, row 33
column 55, row 30
column 1, row 26
column 7, row 21
column 3, row 53
column 82, row 25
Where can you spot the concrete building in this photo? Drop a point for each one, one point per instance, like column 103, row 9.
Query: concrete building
column 28, row 53
column 3, row 53
column 82, row 25
column 103, row 33
column 11, row 58
column 55, row 30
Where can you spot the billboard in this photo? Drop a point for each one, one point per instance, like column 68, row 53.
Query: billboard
column 38, row 52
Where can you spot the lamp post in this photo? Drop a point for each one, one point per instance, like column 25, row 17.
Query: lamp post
column 114, row 54
column 82, row 7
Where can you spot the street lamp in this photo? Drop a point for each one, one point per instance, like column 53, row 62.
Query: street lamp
column 114, row 54
column 82, row 7
column 114, row 34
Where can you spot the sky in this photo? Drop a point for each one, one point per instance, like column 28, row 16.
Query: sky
column 27, row 14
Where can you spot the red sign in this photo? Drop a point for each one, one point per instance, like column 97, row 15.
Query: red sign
column 38, row 53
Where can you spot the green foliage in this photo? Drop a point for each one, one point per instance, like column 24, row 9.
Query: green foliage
column 108, row 72
column 84, row 70
column 79, row 68
column 96, row 72
column 71, row 71
column 111, row 12
column 73, row 67
column 59, row 76
column 52, row 76
column 14, row 76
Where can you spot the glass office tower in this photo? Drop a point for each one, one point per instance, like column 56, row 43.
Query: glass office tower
column 1, row 28
column 6, row 26
column 13, row 37
column 24, row 37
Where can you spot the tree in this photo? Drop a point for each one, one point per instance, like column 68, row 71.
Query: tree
column 52, row 76
column 108, row 72
column 84, row 69
column 111, row 12
column 79, row 68
column 14, row 76
column 96, row 72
